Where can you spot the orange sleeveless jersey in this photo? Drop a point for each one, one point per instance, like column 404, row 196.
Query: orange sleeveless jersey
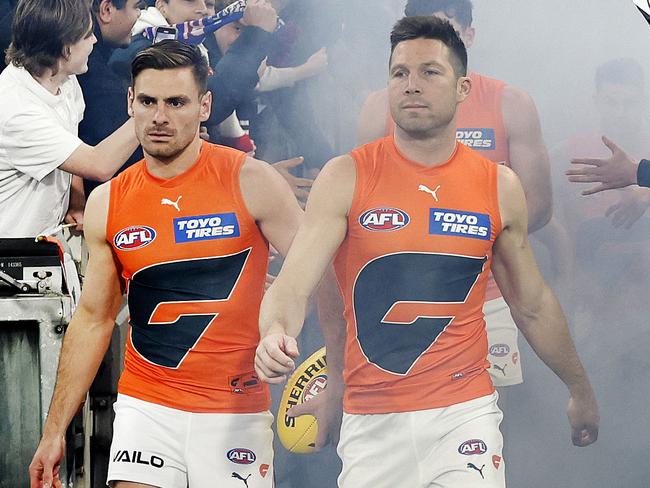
column 480, row 126
column 194, row 262
column 413, row 271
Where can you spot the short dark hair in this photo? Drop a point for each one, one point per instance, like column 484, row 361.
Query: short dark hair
column 459, row 10
column 420, row 27
column 171, row 54
column 118, row 4
column 622, row 71
column 42, row 29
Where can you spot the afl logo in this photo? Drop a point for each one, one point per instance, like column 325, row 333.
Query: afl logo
column 314, row 387
column 472, row 447
column 384, row 219
column 133, row 238
column 241, row 456
column 500, row 350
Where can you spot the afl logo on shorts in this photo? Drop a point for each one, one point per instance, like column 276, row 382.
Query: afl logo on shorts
column 384, row 219
column 472, row 447
column 133, row 238
column 499, row 350
column 241, row 456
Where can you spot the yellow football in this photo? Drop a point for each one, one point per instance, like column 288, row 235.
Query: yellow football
column 298, row 434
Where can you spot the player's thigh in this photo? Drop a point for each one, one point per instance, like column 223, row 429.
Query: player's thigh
column 235, row 449
column 503, row 347
column 471, row 454
column 148, row 445
column 376, row 451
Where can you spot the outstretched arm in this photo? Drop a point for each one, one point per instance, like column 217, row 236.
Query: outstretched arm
column 285, row 303
column 617, row 171
column 536, row 310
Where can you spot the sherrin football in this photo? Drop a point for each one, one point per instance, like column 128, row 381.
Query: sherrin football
column 298, row 434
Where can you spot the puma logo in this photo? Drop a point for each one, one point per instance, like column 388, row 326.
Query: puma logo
column 503, row 370
column 239, row 477
column 167, row 201
column 428, row 190
column 480, row 471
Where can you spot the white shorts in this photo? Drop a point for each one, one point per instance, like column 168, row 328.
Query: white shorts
column 503, row 350
column 453, row 447
column 170, row 448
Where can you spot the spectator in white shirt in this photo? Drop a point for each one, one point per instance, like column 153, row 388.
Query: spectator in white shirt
column 41, row 106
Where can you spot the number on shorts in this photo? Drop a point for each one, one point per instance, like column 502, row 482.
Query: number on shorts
column 172, row 304
column 404, row 301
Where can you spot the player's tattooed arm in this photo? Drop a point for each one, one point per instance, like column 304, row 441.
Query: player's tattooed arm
column 528, row 154
column 285, row 303
column 536, row 310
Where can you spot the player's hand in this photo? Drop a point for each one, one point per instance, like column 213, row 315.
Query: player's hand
column 617, row 171
column 260, row 13
column 274, row 357
column 327, row 407
column 44, row 468
column 584, row 419
column 630, row 208
column 299, row 186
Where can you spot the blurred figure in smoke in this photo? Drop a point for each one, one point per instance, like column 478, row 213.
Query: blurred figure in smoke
column 501, row 122
column 608, row 227
column 608, row 245
column 287, row 123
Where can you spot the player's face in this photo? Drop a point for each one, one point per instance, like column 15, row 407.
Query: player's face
column 167, row 109
column 122, row 22
column 621, row 108
column 76, row 61
column 177, row 11
column 423, row 90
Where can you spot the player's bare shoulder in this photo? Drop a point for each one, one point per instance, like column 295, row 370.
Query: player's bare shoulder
column 264, row 190
column 512, row 201
column 96, row 212
column 518, row 108
column 334, row 186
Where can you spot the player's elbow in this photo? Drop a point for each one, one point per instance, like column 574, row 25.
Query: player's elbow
column 528, row 311
column 99, row 170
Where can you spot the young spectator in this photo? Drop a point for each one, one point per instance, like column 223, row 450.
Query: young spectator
column 41, row 105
